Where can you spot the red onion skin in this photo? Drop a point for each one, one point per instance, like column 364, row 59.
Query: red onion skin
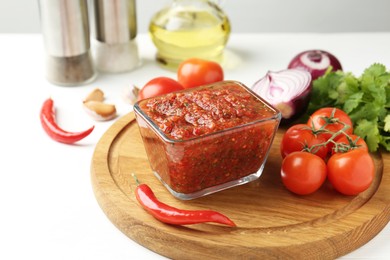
column 315, row 57
column 298, row 107
column 294, row 108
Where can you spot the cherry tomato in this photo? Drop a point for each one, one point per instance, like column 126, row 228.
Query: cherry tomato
column 317, row 120
column 196, row 72
column 159, row 86
column 303, row 173
column 346, row 145
column 352, row 172
column 300, row 136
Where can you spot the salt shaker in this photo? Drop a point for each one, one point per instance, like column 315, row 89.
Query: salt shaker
column 65, row 29
column 115, row 31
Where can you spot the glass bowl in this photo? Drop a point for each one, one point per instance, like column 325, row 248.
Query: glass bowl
column 207, row 139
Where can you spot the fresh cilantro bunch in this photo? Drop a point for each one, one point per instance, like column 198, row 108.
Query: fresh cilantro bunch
column 366, row 99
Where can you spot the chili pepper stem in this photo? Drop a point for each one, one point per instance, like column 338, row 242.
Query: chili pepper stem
column 136, row 179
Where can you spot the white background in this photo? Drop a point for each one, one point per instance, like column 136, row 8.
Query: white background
column 22, row 16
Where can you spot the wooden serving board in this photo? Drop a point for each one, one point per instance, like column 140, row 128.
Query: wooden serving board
column 272, row 223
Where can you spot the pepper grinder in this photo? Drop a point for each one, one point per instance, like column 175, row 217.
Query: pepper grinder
column 65, row 29
column 115, row 31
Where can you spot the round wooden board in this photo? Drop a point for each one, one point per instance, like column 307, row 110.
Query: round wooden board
column 272, row 223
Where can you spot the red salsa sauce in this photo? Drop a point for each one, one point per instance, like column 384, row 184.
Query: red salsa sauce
column 193, row 164
column 185, row 115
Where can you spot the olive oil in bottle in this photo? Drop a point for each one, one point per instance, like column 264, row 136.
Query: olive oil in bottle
column 188, row 29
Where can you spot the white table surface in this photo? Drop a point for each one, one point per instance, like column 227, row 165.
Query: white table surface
column 48, row 209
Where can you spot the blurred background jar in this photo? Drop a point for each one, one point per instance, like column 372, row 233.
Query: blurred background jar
column 187, row 29
column 115, row 32
column 66, row 35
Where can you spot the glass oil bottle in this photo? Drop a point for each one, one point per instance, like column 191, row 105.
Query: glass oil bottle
column 188, row 29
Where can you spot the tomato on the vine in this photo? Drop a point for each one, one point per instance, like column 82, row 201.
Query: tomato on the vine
column 352, row 172
column 330, row 119
column 159, row 86
column 196, row 72
column 299, row 137
column 354, row 142
column 350, row 168
column 303, row 173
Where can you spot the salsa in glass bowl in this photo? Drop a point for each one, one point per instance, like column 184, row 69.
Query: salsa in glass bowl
column 207, row 139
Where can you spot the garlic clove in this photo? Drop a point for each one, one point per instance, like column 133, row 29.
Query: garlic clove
column 96, row 95
column 100, row 111
column 130, row 94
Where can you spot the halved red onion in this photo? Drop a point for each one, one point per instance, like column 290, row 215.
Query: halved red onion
column 316, row 62
column 287, row 90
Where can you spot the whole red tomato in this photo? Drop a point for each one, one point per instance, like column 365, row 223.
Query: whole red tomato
column 330, row 119
column 350, row 142
column 196, row 72
column 303, row 173
column 299, row 137
column 159, row 86
column 352, row 172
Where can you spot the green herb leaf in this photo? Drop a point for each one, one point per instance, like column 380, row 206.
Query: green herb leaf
column 353, row 102
column 366, row 99
column 370, row 132
column 348, row 86
column 375, row 70
column 385, row 142
column 387, row 123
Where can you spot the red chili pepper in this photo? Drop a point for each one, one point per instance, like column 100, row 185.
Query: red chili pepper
column 49, row 124
column 175, row 216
